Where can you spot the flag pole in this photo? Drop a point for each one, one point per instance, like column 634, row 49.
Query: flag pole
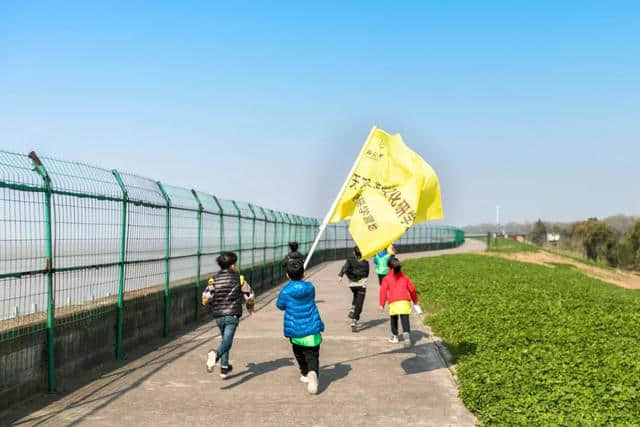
column 327, row 217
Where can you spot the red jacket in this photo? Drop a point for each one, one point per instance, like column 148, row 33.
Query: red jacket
column 397, row 287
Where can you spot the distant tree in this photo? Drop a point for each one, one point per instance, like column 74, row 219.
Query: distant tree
column 629, row 248
column 539, row 233
column 598, row 239
column 621, row 223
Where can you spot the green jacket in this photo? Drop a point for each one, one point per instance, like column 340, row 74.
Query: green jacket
column 381, row 263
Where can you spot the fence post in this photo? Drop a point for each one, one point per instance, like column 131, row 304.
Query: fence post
column 40, row 169
column 123, row 254
column 294, row 223
column 239, row 235
column 310, row 236
column 221, row 223
column 253, row 242
column 167, row 254
column 283, row 245
column 303, row 232
column 316, row 229
column 346, row 238
column 198, row 253
column 266, row 245
column 288, row 228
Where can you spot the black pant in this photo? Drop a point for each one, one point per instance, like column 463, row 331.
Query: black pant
column 380, row 277
column 308, row 358
column 404, row 318
column 359, row 293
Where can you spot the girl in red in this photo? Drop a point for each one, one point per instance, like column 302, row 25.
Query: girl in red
column 398, row 291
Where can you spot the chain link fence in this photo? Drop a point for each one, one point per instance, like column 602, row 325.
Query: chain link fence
column 79, row 242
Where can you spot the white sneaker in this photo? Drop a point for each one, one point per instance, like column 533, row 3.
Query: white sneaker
column 312, row 385
column 211, row 361
column 406, row 337
column 304, row 379
column 394, row 339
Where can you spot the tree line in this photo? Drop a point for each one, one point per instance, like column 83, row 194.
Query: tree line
column 596, row 240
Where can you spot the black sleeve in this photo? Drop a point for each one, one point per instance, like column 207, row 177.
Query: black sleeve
column 344, row 268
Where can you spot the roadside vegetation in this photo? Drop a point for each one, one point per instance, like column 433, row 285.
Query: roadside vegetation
column 535, row 345
column 502, row 245
column 595, row 240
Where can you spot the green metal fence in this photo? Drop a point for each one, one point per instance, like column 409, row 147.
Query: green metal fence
column 76, row 241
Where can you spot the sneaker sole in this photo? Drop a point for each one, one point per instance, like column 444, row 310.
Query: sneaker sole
column 354, row 328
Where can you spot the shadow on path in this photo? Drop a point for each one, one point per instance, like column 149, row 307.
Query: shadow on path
column 114, row 371
column 256, row 369
column 328, row 374
column 372, row 323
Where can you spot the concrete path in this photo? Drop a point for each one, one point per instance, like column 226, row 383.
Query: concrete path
column 364, row 380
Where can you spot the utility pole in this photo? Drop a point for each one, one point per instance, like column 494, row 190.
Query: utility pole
column 497, row 219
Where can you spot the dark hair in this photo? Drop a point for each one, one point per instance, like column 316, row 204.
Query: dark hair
column 394, row 264
column 295, row 269
column 226, row 260
column 293, row 246
column 356, row 252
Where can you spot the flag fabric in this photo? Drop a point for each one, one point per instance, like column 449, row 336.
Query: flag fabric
column 391, row 189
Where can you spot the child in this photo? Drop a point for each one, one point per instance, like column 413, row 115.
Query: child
column 357, row 271
column 398, row 291
column 226, row 293
column 380, row 261
column 302, row 323
column 293, row 254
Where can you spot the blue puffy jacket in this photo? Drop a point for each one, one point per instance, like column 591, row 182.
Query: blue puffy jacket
column 301, row 315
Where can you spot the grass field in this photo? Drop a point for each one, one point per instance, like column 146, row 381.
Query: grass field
column 535, row 345
column 502, row 245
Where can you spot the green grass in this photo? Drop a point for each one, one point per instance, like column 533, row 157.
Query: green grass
column 502, row 245
column 535, row 345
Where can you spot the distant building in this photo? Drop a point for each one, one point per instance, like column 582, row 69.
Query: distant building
column 553, row 238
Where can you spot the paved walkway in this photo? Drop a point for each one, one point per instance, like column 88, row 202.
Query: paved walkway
column 364, row 380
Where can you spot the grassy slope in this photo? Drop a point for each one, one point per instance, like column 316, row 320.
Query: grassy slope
column 535, row 345
column 502, row 245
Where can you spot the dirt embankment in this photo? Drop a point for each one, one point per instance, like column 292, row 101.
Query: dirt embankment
column 616, row 277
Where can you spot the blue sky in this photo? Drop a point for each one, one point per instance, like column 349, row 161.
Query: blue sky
column 533, row 106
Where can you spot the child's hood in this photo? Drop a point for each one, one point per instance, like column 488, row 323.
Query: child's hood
column 300, row 290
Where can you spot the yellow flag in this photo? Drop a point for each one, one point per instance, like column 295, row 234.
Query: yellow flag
column 391, row 189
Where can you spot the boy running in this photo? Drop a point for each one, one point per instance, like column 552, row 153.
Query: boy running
column 226, row 294
column 302, row 323
column 380, row 261
column 293, row 254
column 357, row 272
